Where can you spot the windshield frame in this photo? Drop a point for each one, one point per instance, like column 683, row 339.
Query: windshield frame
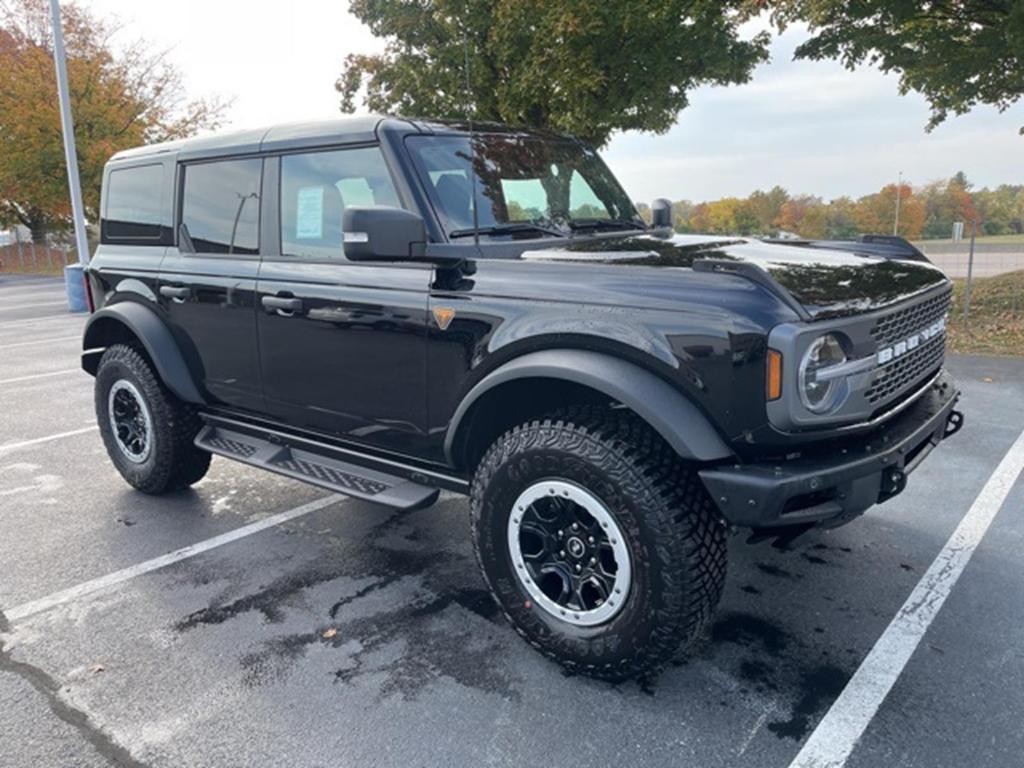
column 549, row 228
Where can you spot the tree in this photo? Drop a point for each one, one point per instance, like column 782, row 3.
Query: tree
column 588, row 67
column 766, row 207
column 803, row 215
column 875, row 214
column 840, row 223
column 948, row 202
column 120, row 97
column 957, row 53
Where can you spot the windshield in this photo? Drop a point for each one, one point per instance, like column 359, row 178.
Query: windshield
column 526, row 186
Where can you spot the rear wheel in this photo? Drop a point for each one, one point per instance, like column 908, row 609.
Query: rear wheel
column 601, row 546
column 147, row 431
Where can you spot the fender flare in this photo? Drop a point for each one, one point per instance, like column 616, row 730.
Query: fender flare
column 156, row 338
column 667, row 410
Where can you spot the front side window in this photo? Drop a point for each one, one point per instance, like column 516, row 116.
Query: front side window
column 315, row 189
column 221, row 206
column 551, row 182
column 134, row 208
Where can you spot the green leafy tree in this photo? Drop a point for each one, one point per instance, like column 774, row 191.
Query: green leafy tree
column 682, row 212
column 766, row 207
column 957, row 53
column 840, row 222
column 121, row 97
column 947, row 202
column 586, row 67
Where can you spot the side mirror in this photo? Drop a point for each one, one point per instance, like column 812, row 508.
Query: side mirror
column 382, row 233
column 661, row 213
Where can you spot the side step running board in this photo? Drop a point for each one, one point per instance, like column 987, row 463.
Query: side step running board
column 324, row 471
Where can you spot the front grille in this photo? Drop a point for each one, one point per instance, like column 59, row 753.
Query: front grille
column 898, row 325
column 890, row 380
column 902, row 373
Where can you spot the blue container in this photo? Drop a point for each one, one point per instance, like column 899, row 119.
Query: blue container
column 75, row 287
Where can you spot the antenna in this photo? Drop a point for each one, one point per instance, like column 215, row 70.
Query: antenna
column 472, row 141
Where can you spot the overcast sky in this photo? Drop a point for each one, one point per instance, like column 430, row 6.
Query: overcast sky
column 810, row 126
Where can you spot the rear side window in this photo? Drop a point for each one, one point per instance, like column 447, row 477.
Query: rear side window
column 315, row 189
column 221, row 206
column 134, row 208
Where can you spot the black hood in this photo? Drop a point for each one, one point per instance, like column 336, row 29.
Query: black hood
column 826, row 283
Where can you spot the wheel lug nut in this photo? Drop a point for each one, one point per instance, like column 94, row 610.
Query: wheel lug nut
column 561, row 553
column 590, row 539
column 575, row 526
column 578, row 568
column 561, row 534
column 593, row 561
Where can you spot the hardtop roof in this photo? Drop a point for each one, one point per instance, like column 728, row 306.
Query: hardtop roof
column 275, row 137
column 305, row 134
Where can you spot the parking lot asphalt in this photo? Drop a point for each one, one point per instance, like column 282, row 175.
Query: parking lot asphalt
column 356, row 635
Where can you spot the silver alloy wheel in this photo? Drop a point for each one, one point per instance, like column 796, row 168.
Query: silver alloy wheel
column 130, row 421
column 569, row 553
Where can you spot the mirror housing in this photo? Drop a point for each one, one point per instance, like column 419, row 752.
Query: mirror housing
column 661, row 213
column 383, row 233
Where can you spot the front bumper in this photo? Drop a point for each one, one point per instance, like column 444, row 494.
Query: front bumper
column 834, row 484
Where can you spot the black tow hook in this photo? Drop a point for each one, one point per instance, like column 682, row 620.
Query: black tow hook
column 953, row 423
column 893, row 482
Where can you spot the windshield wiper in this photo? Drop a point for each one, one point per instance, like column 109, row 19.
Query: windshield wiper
column 577, row 224
column 508, row 229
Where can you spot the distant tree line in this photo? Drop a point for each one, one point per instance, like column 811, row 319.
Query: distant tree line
column 927, row 211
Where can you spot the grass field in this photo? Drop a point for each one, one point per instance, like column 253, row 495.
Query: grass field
column 996, row 322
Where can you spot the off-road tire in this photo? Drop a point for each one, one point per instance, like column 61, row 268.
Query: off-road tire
column 675, row 535
column 174, row 462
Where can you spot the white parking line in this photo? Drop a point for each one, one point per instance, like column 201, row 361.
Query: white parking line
column 10, row 447
column 33, row 607
column 831, row 743
column 36, row 304
column 35, row 293
column 39, row 376
column 5, row 324
column 40, row 341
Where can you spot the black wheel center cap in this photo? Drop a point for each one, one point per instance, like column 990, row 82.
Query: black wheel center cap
column 576, row 547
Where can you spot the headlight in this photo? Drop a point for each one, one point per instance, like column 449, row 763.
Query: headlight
column 818, row 391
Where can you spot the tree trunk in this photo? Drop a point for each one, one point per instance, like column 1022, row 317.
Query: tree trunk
column 40, row 228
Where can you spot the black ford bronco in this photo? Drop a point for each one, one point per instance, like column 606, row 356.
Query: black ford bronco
column 387, row 308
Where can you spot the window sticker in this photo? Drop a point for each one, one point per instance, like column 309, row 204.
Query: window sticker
column 309, row 214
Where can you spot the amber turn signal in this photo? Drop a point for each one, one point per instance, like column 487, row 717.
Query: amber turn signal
column 774, row 374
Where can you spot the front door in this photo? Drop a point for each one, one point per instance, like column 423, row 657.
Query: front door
column 208, row 281
column 343, row 345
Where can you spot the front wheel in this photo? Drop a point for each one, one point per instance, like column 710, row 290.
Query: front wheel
column 601, row 546
column 147, row 431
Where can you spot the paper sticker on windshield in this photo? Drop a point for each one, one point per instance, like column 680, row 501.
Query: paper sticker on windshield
column 309, row 213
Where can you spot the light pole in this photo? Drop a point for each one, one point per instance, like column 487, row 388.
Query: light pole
column 896, row 219
column 68, row 126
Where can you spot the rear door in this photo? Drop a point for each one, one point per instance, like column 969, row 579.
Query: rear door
column 343, row 346
column 208, row 280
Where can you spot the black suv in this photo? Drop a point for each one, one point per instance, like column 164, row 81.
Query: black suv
column 387, row 308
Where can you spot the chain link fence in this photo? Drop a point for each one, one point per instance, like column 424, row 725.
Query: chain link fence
column 36, row 258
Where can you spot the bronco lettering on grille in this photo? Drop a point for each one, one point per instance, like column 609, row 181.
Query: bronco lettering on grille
column 911, row 342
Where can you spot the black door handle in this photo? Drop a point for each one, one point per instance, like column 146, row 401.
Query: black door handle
column 281, row 303
column 178, row 293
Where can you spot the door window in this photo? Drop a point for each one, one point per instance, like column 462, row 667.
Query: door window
column 221, row 206
column 316, row 187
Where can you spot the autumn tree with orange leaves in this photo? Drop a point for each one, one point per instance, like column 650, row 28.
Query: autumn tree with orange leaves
column 122, row 95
